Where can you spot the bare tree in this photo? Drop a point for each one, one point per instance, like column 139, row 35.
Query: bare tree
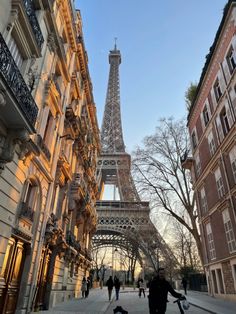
column 159, row 174
column 184, row 247
column 98, row 257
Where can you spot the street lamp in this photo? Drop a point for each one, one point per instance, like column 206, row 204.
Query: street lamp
column 113, row 253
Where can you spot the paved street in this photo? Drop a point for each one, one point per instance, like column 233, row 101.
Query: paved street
column 98, row 303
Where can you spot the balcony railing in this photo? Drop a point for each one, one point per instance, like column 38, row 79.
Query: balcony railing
column 71, row 240
column 30, row 11
column 15, row 81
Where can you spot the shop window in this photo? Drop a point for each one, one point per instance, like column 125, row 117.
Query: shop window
column 214, row 281
column 220, row 279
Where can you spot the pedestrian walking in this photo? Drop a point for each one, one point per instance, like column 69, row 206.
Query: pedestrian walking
column 88, row 287
column 184, row 283
column 110, row 285
column 141, row 288
column 158, row 290
column 117, row 287
column 84, row 287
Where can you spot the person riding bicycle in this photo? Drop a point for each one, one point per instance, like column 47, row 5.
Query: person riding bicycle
column 158, row 290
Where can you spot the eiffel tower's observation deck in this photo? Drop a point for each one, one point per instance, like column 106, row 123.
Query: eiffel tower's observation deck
column 124, row 223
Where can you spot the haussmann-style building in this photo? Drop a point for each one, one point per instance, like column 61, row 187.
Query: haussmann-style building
column 49, row 142
column 212, row 127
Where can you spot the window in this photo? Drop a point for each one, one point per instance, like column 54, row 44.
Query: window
column 211, row 143
column 203, row 201
column 232, row 157
column 206, row 116
column 210, row 240
column 15, row 52
column 194, row 139
column 198, row 165
column 229, row 231
column 231, row 60
column 224, row 121
column 219, row 183
column 48, row 130
column 217, row 90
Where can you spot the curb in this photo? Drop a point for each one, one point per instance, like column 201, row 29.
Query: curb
column 202, row 308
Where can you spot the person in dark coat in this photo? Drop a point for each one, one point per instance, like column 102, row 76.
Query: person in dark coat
column 117, row 287
column 110, row 285
column 184, row 283
column 88, row 287
column 158, row 290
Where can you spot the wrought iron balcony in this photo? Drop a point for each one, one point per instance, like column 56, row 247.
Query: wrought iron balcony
column 71, row 240
column 26, row 211
column 16, row 83
column 30, row 11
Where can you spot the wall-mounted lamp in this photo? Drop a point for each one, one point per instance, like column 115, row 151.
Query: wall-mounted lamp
column 69, row 138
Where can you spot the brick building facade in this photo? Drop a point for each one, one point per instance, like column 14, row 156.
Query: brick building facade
column 212, row 127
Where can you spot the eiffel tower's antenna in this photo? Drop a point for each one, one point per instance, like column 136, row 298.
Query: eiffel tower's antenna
column 115, row 43
column 111, row 132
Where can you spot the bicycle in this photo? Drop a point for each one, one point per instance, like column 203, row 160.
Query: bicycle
column 178, row 301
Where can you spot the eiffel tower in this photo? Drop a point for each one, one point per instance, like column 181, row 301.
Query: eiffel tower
column 123, row 223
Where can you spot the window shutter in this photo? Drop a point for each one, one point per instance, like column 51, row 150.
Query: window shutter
column 44, row 120
column 226, row 70
column 219, row 128
column 228, row 113
column 232, row 96
column 208, row 108
column 234, row 43
column 213, row 97
column 221, row 81
column 202, row 120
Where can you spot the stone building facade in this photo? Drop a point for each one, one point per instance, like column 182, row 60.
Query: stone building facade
column 49, row 141
column 212, row 127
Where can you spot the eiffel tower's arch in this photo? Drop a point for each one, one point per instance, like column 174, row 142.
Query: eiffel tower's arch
column 124, row 223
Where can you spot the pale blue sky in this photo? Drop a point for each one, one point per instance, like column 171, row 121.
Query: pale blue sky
column 163, row 46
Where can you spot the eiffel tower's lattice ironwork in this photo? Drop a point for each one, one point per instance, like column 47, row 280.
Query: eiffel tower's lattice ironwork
column 124, row 223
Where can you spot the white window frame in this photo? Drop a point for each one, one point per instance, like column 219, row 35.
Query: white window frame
column 204, row 205
column 219, row 183
column 232, row 158
column 229, row 232
column 211, row 143
column 210, row 240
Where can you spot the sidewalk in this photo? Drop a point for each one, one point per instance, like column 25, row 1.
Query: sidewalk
column 210, row 304
column 97, row 303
